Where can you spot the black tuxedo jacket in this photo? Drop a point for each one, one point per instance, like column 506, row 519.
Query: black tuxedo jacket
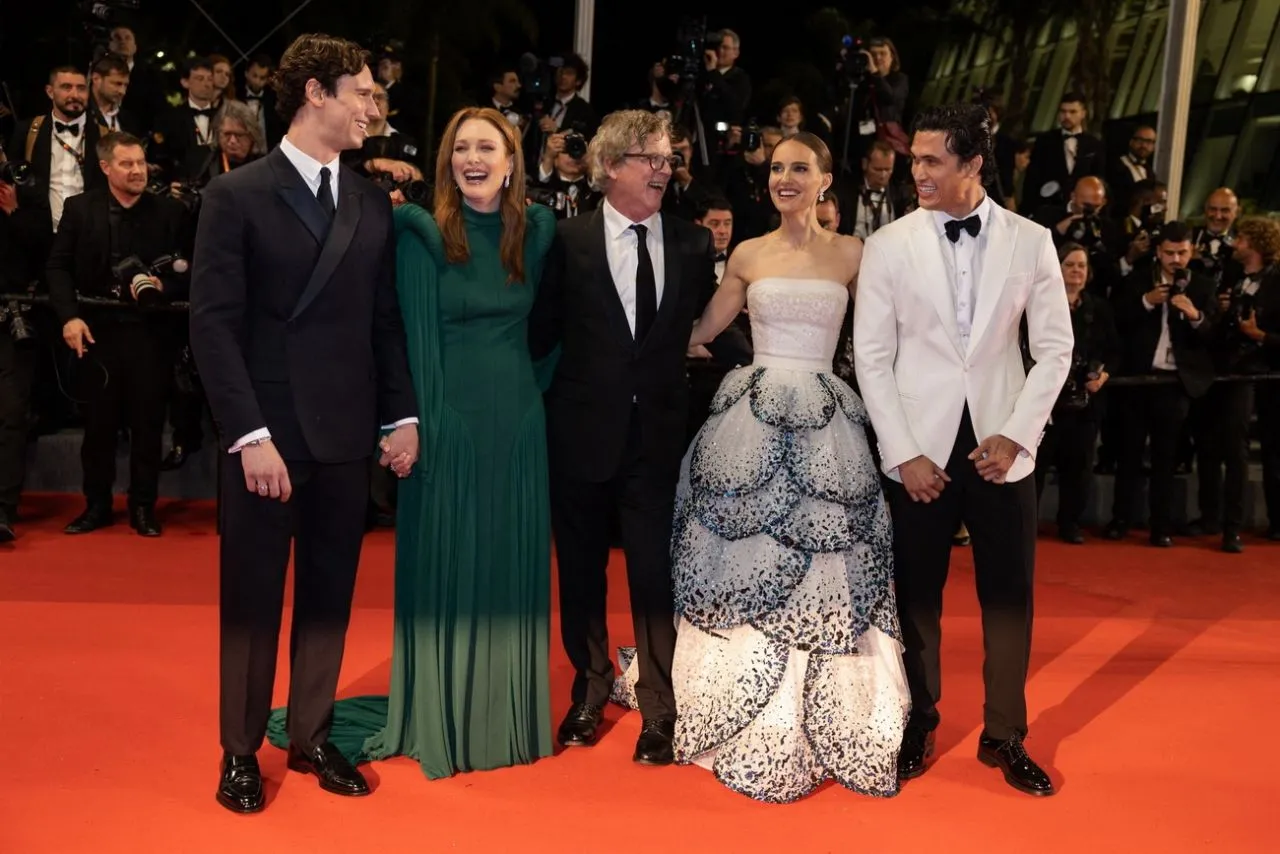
column 175, row 135
column 295, row 325
column 126, row 120
column 1049, row 163
column 1003, row 147
column 1140, row 329
column 1120, row 184
column 602, row 369
column 80, row 262
column 274, row 125
column 33, row 211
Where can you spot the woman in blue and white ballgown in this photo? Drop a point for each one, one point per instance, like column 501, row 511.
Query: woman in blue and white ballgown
column 788, row 667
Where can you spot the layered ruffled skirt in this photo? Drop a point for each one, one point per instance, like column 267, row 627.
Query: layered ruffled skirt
column 788, row 667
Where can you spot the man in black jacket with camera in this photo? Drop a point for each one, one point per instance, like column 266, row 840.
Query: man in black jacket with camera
column 114, row 244
column 1165, row 316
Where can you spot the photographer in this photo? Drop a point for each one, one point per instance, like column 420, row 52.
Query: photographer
column 112, row 245
column 1081, row 222
column 746, row 184
column 884, row 102
column 1246, row 341
column 17, row 367
column 1212, row 243
column 388, row 157
column 1140, row 230
column 562, row 183
column 726, row 89
column 1072, row 431
column 1165, row 316
column 237, row 140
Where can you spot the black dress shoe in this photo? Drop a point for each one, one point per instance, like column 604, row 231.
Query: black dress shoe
column 917, row 750
column 336, row 774
column 177, row 457
column 94, row 517
column 1203, row 528
column 143, row 520
column 1273, row 534
column 1116, row 531
column 1231, row 543
column 1011, row 758
column 1071, row 534
column 1161, row 541
column 240, row 789
column 580, row 726
column 654, row 745
column 6, row 527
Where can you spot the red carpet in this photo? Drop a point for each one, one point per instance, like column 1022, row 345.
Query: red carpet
column 1154, row 678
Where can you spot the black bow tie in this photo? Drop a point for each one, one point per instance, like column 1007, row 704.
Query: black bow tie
column 74, row 130
column 207, row 112
column 1067, row 134
column 954, row 226
column 249, row 96
column 722, row 257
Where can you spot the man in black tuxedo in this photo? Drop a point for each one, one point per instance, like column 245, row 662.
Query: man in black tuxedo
column 1165, row 316
column 261, row 98
column 109, row 82
column 1062, row 156
column 621, row 291
column 129, row 349
column 296, row 331
column 189, row 126
column 60, row 147
column 1131, row 169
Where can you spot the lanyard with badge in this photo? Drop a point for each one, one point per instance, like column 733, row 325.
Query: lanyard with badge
column 874, row 212
column 76, row 153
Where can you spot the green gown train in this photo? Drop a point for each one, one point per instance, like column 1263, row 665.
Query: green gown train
column 469, row 664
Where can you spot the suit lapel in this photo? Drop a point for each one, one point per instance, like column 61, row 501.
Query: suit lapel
column 345, row 223
column 298, row 196
column 598, row 262
column 927, row 251
column 996, row 259
column 670, row 279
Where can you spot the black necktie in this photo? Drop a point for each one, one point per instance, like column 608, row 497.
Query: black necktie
column 325, row 196
column 646, row 285
column 74, row 130
column 954, row 226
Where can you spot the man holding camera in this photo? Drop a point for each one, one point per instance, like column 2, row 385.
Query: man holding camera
column 1081, row 222
column 111, row 246
column 1165, row 316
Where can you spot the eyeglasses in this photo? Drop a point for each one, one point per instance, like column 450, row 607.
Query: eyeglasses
column 656, row 161
column 236, row 134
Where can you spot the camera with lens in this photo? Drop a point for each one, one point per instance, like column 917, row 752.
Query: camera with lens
column 415, row 191
column 1075, row 394
column 13, row 315
column 853, row 65
column 134, row 279
column 1152, row 216
column 1087, row 231
column 16, row 173
column 538, row 80
column 575, row 144
column 751, row 136
column 559, row 201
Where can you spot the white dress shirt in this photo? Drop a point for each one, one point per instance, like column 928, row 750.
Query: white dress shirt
column 309, row 168
column 1070, row 147
column 66, row 178
column 875, row 210
column 203, row 124
column 963, row 260
column 1164, row 359
column 621, row 248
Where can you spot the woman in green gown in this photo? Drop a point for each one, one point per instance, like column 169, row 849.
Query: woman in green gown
column 469, row 669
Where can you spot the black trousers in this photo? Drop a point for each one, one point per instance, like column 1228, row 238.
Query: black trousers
column 1002, row 523
column 642, row 494
column 1222, row 443
column 17, row 367
column 1068, row 446
column 705, row 377
column 187, row 398
column 1268, row 397
column 1158, row 412
column 125, row 380
column 324, row 522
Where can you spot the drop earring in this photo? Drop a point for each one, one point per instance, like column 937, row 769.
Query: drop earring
column 506, row 182
column 822, row 195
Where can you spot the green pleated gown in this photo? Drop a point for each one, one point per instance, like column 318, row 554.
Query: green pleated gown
column 469, row 670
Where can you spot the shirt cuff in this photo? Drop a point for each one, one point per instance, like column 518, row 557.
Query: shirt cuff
column 544, row 174
column 1195, row 324
column 262, row 433
column 1147, row 305
column 1125, row 267
column 400, row 423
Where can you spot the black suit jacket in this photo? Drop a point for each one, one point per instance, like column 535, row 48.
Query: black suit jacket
column 1120, row 184
column 175, row 135
column 80, row 262
column 33, row 219
column 1140, row 329
column 274, row 125
column 295, row 328
column 1049, row 163
column 126, row 120
column 602, row 369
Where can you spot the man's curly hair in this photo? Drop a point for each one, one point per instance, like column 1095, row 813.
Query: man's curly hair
column 1263, row 235
column 314, row 56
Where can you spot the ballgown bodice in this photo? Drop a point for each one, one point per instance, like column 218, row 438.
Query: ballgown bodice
column 795, row 322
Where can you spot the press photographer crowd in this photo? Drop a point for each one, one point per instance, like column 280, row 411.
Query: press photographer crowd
column 100, row 189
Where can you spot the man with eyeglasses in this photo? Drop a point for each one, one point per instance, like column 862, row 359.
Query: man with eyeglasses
column 1132, row 169
column 622, row 287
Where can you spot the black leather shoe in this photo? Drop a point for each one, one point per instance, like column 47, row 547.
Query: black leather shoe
column 143, row 520
column 1011, row 758
column 1161, row 541
column 1071, row 534
column 94, row 517
column 1231, row 543
column 1116, row 531
column 177, row 457
column 654, row 745
column 6, row 527
column 1273, row 534
column 336, row 774
column 240, row 789
column 917, row 750
column 580, row 726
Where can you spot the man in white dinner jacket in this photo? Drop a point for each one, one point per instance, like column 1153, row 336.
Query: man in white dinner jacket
column 941, row 296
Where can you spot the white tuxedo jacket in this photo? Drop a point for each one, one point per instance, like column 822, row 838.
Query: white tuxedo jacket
column 915, row 376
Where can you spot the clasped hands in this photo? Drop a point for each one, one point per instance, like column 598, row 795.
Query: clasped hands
column 399, row 449
column 924, row 480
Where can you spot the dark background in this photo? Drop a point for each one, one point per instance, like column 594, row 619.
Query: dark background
column 787, row 47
